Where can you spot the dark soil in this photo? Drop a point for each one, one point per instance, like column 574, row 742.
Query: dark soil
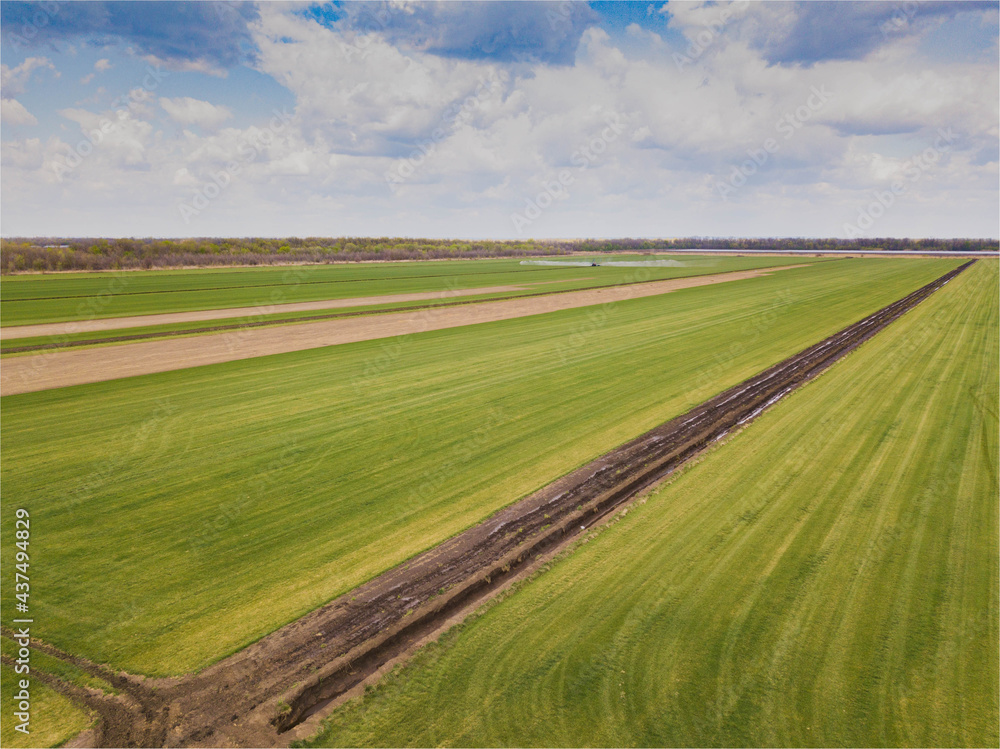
column 256, row 696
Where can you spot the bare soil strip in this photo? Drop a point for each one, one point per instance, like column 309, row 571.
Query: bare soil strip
column 265, row 694
column 171, row 318
column 53, row 369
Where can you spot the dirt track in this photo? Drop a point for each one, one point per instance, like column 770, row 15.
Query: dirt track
column 119, row 323
column 266, row 694
column 52, row 369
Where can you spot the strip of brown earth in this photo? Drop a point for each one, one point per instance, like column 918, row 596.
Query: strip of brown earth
column 443, row 300
column 271, row 692
column 172, row 318
column 52, row 369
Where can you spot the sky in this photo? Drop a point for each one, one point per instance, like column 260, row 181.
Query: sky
column 500, row 119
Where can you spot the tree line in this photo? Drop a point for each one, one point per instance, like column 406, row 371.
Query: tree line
column 34, row 254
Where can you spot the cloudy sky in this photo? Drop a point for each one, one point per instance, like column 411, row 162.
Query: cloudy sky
column 500, row 119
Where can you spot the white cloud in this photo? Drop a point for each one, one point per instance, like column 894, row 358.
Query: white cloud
column 101, row 66
column 13, row 80
column 188, row 111
column 12, row 112
column 365, row 94
column 478, row 139
column 28, row 154
column 116, row 142
column 183, row 65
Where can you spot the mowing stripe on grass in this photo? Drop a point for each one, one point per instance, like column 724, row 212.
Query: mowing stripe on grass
column 373, row 626
column 826, row 577
column 48, row 298
column 54, row 718
column 60, row 369
column 255, row 491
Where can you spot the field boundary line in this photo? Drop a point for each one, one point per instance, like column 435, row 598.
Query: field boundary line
column 52, row 368
column 596, row 489
column 15, row 332
column 260, row 694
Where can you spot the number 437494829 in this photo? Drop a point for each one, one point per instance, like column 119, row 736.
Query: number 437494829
column 23, row 531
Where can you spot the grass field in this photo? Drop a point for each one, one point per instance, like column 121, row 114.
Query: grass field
column 605, row 277
column 30, row 299
column 827, row 577
column 54, row 719
column 177, row 517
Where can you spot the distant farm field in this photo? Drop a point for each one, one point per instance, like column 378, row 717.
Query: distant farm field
column 31, row 299
column 188, row 513
column 826, row 577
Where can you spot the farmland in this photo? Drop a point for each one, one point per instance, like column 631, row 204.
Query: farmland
column 155, row 352
column 34, row 299
column 256, row 491
column 519, row 374
column 244, row 479
column 827, row 576
column 57, row 719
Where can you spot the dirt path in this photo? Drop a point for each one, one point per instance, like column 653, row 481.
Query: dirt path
column 272, row 692
column 53, row 369
column 170, row 318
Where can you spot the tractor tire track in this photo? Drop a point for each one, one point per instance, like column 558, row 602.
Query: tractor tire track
column 260, row 695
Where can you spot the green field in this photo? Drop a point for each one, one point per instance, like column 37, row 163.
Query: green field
column 594, row 277
column 54, row 719
column 826, row 577
column 56, row 297
column 176, row 517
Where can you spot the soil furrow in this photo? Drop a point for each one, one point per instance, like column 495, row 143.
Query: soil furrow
column 259, row 695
